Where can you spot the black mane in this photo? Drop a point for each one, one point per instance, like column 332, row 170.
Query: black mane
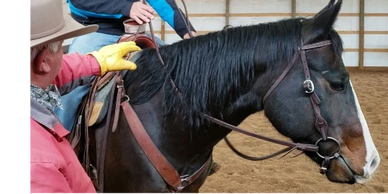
column 212, row 71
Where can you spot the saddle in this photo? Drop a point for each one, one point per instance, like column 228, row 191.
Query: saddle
column 97, row 107
column 104, row 85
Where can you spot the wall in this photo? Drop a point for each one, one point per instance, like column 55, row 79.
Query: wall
column 245, row 12
column 210, row 15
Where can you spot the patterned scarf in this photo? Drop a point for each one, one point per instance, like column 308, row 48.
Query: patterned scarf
column 49, row 98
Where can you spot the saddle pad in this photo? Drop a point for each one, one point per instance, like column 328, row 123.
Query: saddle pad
column 101, row 104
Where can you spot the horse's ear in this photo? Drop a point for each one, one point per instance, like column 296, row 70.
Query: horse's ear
column 323, row 21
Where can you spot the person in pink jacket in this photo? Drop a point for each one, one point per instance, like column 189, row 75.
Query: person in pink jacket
column 54, row 165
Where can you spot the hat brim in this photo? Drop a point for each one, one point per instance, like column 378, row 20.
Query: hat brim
column 70, row 30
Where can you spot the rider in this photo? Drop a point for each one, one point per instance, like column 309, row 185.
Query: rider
column 109, row 15
column 54, row 167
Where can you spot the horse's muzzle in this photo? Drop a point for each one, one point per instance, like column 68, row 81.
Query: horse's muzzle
column 340, row 171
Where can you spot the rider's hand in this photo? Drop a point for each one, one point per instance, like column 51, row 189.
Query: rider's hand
column 141, row 12
column 110, row 57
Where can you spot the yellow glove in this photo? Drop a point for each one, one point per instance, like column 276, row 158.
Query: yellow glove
column 110, row 57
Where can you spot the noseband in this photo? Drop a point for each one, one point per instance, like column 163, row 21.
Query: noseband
column 308, row 86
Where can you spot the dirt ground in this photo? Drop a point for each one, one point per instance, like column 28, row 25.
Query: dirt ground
column 300, row 174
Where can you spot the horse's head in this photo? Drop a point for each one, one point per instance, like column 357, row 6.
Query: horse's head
column 296, row 112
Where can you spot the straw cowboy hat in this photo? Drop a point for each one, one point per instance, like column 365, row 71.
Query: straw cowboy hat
column 49, row 24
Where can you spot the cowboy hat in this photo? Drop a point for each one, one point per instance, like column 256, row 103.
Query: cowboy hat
column 49, row 24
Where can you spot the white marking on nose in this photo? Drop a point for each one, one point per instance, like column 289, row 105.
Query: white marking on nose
column 372, row 159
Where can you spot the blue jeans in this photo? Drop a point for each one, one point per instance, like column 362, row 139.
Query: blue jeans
column 83, row 45
column 157, row 39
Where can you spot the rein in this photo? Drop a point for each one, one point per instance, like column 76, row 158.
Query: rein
column 320, row 122
column 308, row 85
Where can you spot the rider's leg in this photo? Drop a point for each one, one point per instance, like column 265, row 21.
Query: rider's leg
column 157, row 39
column 92, row 42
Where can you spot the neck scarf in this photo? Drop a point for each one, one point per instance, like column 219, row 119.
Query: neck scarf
column 49, row 97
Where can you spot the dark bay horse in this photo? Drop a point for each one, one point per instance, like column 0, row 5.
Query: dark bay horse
column 292, row 69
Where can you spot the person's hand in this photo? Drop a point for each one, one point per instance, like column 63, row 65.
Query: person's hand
column 110, row 57
column 187, row 35
column 141, row 12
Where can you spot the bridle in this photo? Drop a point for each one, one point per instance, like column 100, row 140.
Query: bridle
column 320, row 123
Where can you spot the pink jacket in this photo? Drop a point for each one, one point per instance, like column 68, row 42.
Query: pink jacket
column 54, row 165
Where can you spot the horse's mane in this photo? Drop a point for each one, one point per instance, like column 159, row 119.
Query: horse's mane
column 212, row 71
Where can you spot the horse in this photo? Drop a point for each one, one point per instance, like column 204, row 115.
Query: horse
column 183, row 99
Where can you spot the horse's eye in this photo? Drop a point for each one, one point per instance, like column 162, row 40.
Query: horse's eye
column 337, row 85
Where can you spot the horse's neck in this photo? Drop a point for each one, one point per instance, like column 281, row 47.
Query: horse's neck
column 187, row 142
column 206, row 136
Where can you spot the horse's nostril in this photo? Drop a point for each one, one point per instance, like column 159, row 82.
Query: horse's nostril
column 375, row 163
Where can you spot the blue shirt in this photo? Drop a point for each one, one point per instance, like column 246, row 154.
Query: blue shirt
column 110, row 14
